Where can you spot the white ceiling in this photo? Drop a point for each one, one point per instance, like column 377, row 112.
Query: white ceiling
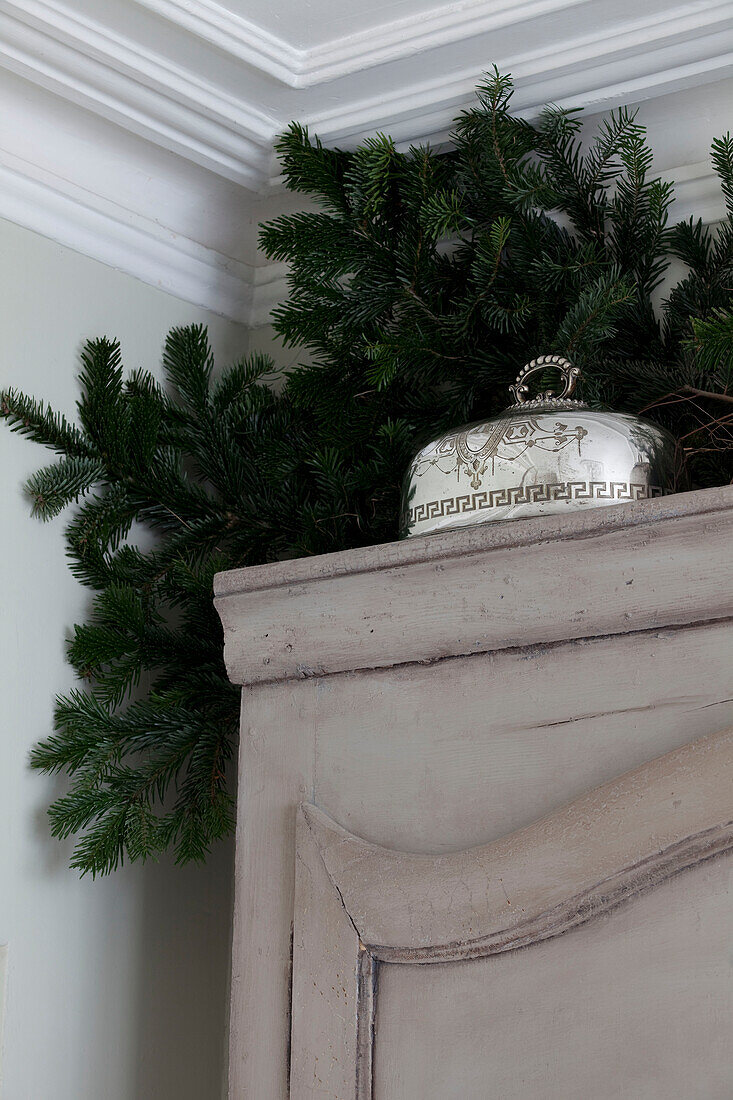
column 144, row 128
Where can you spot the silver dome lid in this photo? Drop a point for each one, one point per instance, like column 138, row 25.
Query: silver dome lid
column 543, row 455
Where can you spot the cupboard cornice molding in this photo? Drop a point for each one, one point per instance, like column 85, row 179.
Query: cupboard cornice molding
column 623, row 569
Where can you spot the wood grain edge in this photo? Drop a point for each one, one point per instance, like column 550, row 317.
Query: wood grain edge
column 328, row 959
column 365, row 1022
column 327, row 986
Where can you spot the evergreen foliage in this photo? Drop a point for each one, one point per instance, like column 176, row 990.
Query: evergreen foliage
column 419, row 285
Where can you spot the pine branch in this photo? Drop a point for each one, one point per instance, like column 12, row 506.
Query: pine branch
column 189, row 364
column 311, row 169
column 40, row 423
column 54, row 487
column 417, row 288
column 593, row 317
column 722, row 158
column 712, row 344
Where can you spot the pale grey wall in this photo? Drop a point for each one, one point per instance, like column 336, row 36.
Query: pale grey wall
column 117, row 989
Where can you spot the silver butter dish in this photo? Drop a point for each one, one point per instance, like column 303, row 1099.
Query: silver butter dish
column 541, row 456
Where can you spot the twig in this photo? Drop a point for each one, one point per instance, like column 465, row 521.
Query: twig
column 708, row 393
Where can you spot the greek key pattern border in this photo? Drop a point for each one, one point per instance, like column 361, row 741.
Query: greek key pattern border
column 530, row 494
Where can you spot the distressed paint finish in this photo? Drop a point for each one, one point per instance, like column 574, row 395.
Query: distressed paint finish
column 541, row 881
column 628, row 567
column 446, row 751
column 637, row 1005
column 608, row 847
column 275, row 774
column 434, row 758
column 326, row 982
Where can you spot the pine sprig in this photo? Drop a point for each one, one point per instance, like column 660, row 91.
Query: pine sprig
column 39, row 422
column 711, row 344
column 721, row 154
column 54, row 487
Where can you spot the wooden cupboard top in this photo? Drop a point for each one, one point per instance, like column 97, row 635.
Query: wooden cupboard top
column 473, row 540
column 621, row 569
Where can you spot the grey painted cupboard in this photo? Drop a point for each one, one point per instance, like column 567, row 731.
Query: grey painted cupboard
column 486, row 813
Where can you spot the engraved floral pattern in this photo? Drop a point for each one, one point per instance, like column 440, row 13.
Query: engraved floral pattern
column 506, row 439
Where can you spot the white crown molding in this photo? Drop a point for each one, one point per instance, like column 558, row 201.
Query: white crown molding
column 133, row 86
column 648, row 57
column 142, row 88
column 270, row 288
column 413, row 35
column 395, row 40
column 234, row 35
column 137, row 246
column 137, row 88
column 697, row 193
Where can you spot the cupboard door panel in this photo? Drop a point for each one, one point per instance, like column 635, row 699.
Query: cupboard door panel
column 589, row 954
column 635, row 1005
